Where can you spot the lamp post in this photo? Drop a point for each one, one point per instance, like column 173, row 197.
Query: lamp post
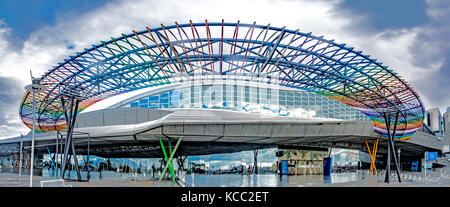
column 20, row 160
column 36, row 86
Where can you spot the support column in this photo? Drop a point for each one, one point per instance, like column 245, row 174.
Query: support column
column 387, row 177
column 61, row 147
column 87, row 162
column 391, row 148
column 372, row 156
column 56, row 154
column 27, row 160
column 255, row 165
column 181, row 162
column 397, row 168
column 75, row 160
column 168, row 161
column 170, row 152
column 51, row 159
column 170, row 158
column 21, row 156
column 16, row 160
column 66, row 147
column 32, row 139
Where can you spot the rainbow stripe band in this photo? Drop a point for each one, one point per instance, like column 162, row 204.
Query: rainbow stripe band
column 238, row 51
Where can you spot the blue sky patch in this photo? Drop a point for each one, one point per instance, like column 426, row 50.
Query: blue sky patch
column 386, row 14
column 26, row 16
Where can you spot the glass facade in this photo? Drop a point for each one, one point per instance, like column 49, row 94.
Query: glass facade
column 260, row 98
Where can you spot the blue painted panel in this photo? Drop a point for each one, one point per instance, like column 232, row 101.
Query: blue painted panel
column 431, row 156
column 153, row 98
column 415, row 166
column 327, row 165
column 284, row 167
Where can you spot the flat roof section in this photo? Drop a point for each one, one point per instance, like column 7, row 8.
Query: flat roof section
column 135, row 132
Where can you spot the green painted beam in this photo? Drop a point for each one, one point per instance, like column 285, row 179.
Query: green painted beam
column 167, row 162
column 170, row 158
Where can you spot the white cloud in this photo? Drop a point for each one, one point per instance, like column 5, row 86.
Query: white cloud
column 393, row 48
column 49, row 45
column 438, row 9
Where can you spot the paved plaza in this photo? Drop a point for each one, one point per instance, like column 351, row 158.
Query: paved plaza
column 437, row 178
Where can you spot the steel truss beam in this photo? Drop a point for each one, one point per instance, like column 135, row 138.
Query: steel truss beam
column 249, row 52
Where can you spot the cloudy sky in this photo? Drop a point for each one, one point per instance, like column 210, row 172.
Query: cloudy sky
column 410, row 36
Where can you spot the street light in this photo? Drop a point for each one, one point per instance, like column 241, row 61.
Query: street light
column 36, row 86
column 20, row 162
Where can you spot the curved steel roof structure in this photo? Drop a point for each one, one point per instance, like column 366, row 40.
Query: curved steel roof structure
column 238, row 51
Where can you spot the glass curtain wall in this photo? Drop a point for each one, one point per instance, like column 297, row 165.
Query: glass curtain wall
column 254, row 98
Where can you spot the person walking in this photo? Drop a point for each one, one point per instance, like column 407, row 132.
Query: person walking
column 279, row 168
column 100, row 172
column 153, row 171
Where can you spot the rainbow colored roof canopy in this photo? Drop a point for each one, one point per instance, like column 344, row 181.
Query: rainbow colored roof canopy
column 238, row 51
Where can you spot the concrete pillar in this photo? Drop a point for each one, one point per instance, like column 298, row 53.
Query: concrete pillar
column 38, row 159
column 10, row 160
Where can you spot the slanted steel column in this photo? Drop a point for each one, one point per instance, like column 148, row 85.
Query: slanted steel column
column 391, row 148
column 66, row 148
column 70, row 123
column 181, row 161
column 169, row 162
column 51, row 159
column 387, row 177
column 16, row 160
column 170, row 152
column 372, row 155
column 61, row 147
column 56, row 154
column 170, row 158
column 75, row 158
column 255, row 165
